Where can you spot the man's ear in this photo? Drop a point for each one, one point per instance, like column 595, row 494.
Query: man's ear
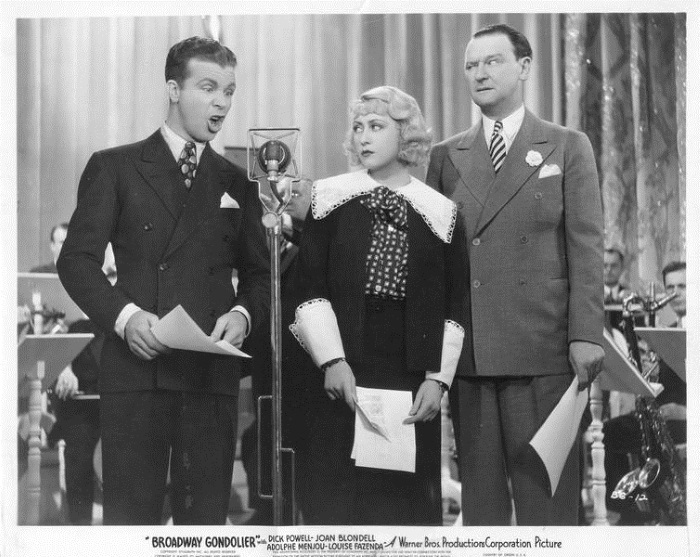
column 173, row 91
column 525, row 63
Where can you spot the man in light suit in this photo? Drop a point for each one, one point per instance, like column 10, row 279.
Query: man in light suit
column 180, row 218
column 529, row 197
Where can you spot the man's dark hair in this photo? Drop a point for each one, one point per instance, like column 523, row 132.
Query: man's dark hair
column 63, row 225
column 672, row 267
column 196, row 47
column 521, row 45
column 618, row 252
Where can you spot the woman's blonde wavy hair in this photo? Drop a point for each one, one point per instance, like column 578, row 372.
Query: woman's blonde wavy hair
column 416, row 138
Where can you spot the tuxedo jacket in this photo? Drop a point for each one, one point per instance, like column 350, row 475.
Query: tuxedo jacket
column 535, row 240
column 172, row 246
column 332, row 265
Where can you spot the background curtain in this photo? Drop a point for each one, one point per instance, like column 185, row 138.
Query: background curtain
column 625, row 88
column 85, row 84
column 90, row 83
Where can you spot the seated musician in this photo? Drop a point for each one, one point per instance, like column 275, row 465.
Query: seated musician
column 614, row 290
column 613, row 266
column 78, row 421
column 622, row 435
column 58, row 235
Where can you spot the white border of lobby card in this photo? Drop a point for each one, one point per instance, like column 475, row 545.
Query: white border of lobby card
column 137, row 541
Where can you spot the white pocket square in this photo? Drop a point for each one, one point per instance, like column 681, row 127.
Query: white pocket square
column 228, row 202
column 549, row 170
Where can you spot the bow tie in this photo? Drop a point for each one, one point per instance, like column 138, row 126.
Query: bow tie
column 388, row 206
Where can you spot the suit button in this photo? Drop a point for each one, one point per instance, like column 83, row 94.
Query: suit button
column 523, row 239
column 148, row 226
column 212, row 313
column 460, row 205
column 538, row 195
column 476, row 241
column 163, row 267
column 476, row 283
column 522, row 282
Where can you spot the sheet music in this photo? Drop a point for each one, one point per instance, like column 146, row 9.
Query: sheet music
column 382, row 440
column 554, row 439
column 178, row 330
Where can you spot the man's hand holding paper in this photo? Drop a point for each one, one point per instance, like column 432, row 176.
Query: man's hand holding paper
column 178, row 330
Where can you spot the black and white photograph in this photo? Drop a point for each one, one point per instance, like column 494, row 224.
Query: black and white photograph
column 350, row 278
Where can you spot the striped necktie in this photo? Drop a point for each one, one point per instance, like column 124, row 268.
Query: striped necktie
column 497, row 148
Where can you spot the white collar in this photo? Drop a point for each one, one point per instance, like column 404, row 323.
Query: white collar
column 438, row 212
column 511, row 125
column 176, row 143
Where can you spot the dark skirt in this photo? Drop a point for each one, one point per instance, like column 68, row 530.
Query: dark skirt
column 335, row 491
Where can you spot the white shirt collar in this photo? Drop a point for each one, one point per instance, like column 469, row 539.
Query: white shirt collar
column 176, row 143
column 438, row 212
column 511, row 126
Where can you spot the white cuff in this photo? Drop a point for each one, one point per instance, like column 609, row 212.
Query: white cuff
column 244, row 311
column 124, row 315
column 452, row 341
column 316, row 328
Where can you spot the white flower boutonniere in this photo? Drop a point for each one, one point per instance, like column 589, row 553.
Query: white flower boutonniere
column 534, row 158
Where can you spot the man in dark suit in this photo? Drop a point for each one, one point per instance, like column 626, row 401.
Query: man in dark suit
column 58, row 236
column 180, row 218
column 529, row 198
column 613, row 263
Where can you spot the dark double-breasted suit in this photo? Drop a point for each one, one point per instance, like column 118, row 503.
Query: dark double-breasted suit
column 172, row 246
column 534, row 233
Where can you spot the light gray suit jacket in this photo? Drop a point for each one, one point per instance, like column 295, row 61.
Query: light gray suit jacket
column 535, row 241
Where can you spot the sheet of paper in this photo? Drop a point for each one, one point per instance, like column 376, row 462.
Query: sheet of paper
column 178, row 330
column 389, row 444
column 554, row 439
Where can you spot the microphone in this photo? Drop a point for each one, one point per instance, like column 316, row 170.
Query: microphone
column 273, row 162
column 274, row 157
column 658, row 304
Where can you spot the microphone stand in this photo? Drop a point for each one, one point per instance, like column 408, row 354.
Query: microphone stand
column 273, row 157
column 274, row 234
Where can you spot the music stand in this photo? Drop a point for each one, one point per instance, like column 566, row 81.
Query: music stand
column 669, row 344
column 619, row 374
column 41, row 358
column 53, row 295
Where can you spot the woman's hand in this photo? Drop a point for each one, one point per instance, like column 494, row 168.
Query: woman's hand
column 427, row 403
column 340, row 383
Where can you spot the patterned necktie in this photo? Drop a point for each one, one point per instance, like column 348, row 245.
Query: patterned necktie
column 497, row 148
column 188, row 163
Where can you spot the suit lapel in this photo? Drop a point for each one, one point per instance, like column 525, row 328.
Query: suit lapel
column 515, row 170
column 471, row 159
column 208, row 184
column 288, row 258
column 159, row 169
